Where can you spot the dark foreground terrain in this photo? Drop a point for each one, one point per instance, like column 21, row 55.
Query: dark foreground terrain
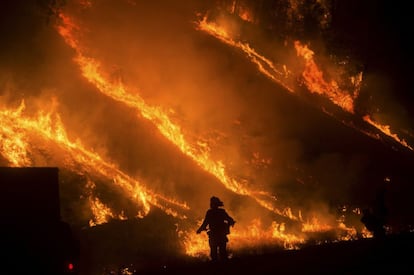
column 391, row 255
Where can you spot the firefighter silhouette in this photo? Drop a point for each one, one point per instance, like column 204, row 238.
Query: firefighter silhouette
column 217, row 223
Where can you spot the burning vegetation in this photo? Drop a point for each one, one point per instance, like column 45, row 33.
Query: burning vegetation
column 156, row 107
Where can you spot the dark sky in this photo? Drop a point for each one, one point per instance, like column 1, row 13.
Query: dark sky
column 380, row 32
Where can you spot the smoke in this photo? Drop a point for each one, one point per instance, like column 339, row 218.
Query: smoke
column 267, row 139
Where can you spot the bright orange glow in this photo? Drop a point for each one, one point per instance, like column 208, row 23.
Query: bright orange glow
column 386, row 130
column 24, row 135
column 315, row 82
column 277, row 73
column 315, row 226
column 252, row 235
column 256, row 234
column 14, row 145
column 49, row 127
column 18, row 130
column 312, row 76
column 199, row 151
column 93, row 72
column 101, row 213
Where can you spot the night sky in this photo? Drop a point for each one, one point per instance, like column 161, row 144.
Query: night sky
column 379, row 32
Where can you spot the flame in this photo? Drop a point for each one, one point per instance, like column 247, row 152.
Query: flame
column 16, row 132
column 253, row 234
column 315, row 82
column 14, row 145
column 101, row 212
column 195, row 245
column 313, row 76
column 93, row 72
column 314, row 225
column 386, row 130
column 256, row 234
column 50, row 128
column 279, row 75
column 351, row 232
column 250, row 235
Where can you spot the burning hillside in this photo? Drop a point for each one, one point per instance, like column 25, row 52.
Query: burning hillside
column 157, row 107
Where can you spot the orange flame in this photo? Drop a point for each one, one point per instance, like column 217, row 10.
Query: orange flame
column 279, row 75
column 17, row 129
column 94, row 72
column 313, row 77
column 91, row 70
column 315, row 82
column 386, row 130
column 251, row 235
column 14, row 145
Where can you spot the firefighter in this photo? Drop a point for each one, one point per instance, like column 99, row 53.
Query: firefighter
column 217, row 223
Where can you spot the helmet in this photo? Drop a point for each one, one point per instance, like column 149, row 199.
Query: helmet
column 215, row 202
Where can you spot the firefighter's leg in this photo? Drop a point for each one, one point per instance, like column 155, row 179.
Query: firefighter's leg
column 213, row 250
column 223, row 251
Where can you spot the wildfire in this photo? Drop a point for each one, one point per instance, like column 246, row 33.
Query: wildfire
column 314, row 225
column 252, row 235
column 14, row 146
column 93, row 72
column 314, row 81
column 312, row 75
column 101, row 212
column 277, row 73
column 195, row 245
column 17, row 131
column 386, row 130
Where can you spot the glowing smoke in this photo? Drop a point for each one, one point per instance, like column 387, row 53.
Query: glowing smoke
column 296, row 154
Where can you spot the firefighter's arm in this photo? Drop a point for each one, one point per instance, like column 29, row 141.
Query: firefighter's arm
column 203, row 226
column 230, row 220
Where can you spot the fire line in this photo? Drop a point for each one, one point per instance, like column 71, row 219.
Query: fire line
column 90, row 68
column 17, row 128
column 312, row 76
